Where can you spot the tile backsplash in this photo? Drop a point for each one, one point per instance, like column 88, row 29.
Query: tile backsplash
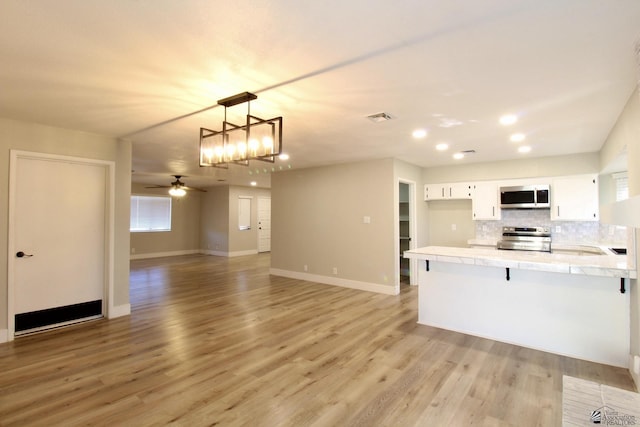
column 569, row 231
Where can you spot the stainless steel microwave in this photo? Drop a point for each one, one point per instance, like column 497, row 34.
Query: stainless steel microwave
column 525, row 197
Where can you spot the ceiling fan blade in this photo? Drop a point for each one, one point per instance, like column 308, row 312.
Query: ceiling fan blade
column 194, row 189
column 159, row 186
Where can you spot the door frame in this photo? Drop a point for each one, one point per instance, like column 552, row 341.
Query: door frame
column 109, row 226
column 413, row 263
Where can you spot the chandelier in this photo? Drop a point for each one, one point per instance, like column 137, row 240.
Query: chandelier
column 256, row 139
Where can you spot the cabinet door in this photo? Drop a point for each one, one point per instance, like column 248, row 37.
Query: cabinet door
column 485, row 201
column 459, row 191
column 434, row 191
column 575, row 198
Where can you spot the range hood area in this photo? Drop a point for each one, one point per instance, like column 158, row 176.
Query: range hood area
column 525, row 197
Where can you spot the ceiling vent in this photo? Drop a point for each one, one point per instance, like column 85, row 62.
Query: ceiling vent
column 465, row 152
column 379, row 117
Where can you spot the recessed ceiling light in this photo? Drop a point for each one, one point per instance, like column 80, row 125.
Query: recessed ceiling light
column 524, row 149
column 517, row 137
column 442, row 146
column 284, row 156
column 419, row 133
column 508, row 119
column 458, row 156
column 253, row 183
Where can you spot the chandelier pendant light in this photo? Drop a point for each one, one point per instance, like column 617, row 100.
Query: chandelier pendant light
column 256, row 139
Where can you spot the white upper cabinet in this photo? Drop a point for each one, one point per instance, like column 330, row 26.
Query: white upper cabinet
column 575, row 198
column 447, row 191
column 485, row 201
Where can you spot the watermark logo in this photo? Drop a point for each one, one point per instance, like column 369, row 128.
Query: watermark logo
column 608, row 416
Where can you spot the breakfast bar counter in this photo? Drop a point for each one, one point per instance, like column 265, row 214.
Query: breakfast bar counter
column 574, row 305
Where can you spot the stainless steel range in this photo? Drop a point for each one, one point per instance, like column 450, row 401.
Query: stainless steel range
column 526, row 239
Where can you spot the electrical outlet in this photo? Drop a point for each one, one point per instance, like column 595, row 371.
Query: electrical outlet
column 558, row 229
column 335, row 271
column 366, row 220
column 306, row 267
column 133, row 250
column 636, row 364
column 484, row 227
column 453, row 227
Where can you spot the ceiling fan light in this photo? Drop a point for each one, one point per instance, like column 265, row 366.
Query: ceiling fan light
column 177, row 191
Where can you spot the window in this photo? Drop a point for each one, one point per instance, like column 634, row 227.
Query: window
column 244, row 213
column 150, row 213
column 622, row 185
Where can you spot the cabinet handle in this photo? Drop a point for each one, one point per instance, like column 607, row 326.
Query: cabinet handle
column 442, row 191
column 558, row 211
column 449, row 191
column 493, row 211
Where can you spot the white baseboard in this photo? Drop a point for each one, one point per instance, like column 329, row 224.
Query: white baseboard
column 119, row 311
column 243, row 253
column 4, row 335
column 229, row 254
column 634, row 375
column 336, row 281
column 164, row 254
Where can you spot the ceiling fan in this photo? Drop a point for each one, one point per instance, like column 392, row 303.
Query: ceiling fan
column 177, row 187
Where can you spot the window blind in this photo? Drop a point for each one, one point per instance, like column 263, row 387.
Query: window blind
column 150, row 213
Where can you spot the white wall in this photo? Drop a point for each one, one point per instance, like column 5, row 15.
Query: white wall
column 625, row 135
column 317, row 220
column 574, row 164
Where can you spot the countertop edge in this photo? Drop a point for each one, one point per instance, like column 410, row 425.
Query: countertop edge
column 603, row 265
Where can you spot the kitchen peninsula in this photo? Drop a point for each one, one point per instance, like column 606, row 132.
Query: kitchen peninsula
column 572, row 305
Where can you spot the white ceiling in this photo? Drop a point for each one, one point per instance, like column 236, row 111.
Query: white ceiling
column 152, row 72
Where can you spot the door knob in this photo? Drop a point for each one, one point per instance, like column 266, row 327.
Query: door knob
column 21, row 254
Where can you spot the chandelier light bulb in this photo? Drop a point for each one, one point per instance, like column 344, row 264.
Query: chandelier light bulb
column 230, row 151
column 242, row 149
column 267, row 142
column 253, row 146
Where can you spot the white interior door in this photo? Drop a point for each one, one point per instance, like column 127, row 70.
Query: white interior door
column 58, row 242
column 264, row 224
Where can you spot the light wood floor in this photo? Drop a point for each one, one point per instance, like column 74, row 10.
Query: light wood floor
column 216, row 341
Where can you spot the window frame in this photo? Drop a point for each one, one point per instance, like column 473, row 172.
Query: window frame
column 167, row 220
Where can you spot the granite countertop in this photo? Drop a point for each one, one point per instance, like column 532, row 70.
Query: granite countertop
column 589, row 265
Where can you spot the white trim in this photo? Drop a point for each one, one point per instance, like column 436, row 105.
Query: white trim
column 335, row 281
column 242, row 253
column 229, row 254
column 4, row 335
column 413, row 231
column 195, row 251
column 119, row 311
column 164, row 254
column 213, row 253
column 634, row 376
column 109, row 236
